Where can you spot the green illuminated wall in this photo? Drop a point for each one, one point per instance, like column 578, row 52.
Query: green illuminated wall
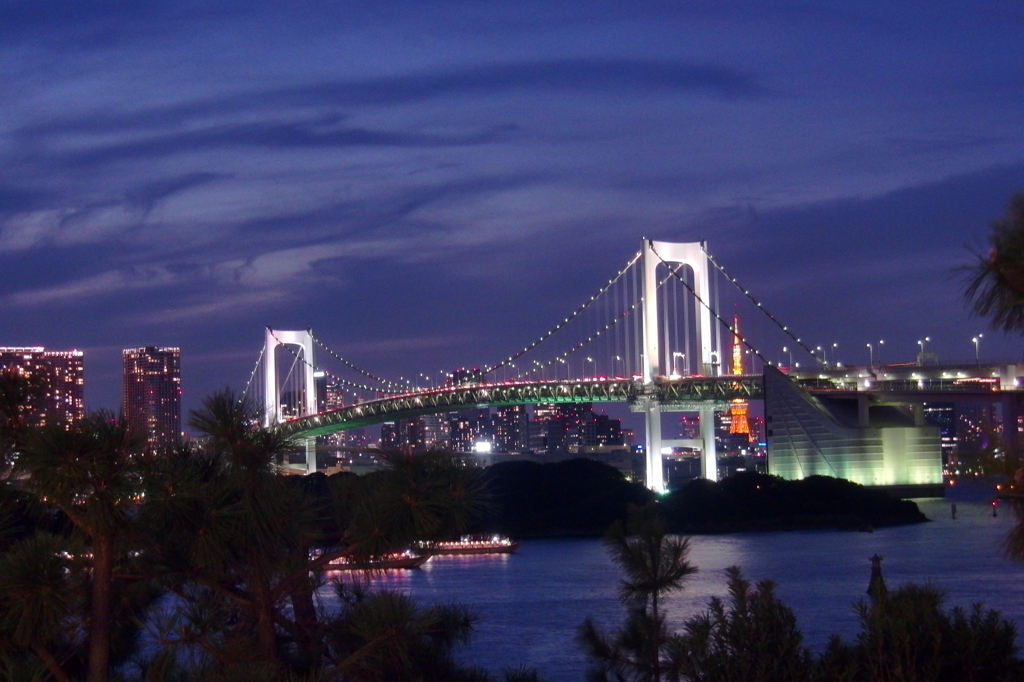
column 810, row 436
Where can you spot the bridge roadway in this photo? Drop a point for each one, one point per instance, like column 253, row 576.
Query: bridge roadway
column 890, row 383
column 687, row 393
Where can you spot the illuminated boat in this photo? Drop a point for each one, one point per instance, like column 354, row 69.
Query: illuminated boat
column 470, row 544
column 386, row 562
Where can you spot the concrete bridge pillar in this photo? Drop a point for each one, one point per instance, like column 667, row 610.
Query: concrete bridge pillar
column 655, row 469
column 310, row 444
column 709, row 454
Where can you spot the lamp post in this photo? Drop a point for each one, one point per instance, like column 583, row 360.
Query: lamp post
column 920, row 358
column 787, row 350
column 595, row 366
column 835, row 352
column 675, row 367
column 977, row 352
column 871, row 356
column 880, row 344
column 562, row 360
column 619, row 359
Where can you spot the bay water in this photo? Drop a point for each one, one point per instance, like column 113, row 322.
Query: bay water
column 530, row 604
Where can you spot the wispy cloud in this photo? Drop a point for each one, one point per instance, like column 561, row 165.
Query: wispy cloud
column 305, row 134
column 225, row 305
column 87, row 287
column 600, row 76
column 146, row 195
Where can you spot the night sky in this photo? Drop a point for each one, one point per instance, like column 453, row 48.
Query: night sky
column 434, row 184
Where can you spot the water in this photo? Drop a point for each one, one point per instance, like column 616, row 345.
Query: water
column 531, row 603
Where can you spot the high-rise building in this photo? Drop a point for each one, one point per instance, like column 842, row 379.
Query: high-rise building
column 152, row 395
column 511, row 428
column 57, row 381
column 567, row 427
column 467, row 427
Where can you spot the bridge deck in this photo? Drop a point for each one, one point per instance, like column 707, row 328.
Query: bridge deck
column 678, row 394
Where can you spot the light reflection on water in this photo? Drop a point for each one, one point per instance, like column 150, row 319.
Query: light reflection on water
column 530, row 604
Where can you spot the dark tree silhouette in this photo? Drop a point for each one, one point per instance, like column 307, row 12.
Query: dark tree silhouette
column 654, row 564
column 995, row 281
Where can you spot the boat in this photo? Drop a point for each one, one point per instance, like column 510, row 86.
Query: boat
column 393, row 561
column 470, row 544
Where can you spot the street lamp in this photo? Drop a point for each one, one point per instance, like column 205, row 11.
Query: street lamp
column 595, row 366
column 675, row 367
column 880, row 344
column 562, row 360
column 619, row 359
column 835, row 351
column 871, row 356
column 920, row 358
column 787, row 350
column 977, row 342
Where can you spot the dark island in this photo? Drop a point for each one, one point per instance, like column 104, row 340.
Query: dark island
column 581, row 498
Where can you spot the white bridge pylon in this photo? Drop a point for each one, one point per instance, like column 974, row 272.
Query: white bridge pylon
column 694, row 255
column 273, row 413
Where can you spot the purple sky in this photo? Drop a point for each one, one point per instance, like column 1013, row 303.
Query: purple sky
column 429, row 185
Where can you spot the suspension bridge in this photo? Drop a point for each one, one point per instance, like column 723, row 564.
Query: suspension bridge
column 652, row 337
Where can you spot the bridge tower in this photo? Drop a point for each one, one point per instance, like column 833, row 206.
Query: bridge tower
column 273, row 413
column 693, row 255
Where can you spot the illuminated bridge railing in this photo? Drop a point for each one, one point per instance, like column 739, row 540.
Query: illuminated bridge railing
column 980, row 385
column 678, row 392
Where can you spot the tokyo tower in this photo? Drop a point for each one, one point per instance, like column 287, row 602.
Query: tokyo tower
column 738, row 407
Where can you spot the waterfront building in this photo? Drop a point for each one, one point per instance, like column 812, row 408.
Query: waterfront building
column 151, row 402
column 571, row 428
column 943, row 415
column 57, row 379
column 391, row 435
column 607, row 431
column 511, row 428
column 426, row 432
column 468, row 427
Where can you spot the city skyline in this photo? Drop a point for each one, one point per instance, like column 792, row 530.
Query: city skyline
column 433, row 187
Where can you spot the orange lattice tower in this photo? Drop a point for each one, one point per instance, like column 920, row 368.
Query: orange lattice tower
column 738, row 407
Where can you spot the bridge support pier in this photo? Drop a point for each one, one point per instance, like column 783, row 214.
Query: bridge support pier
column 310, row 444
column 655, row 467
column 708, row 454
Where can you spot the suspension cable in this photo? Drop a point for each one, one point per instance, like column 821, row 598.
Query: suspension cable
column 558, row 327
column 593, row 337
column 746, row 292
column 704, row 303
column 346, row 382
column 351, row 366
column 252, row 376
